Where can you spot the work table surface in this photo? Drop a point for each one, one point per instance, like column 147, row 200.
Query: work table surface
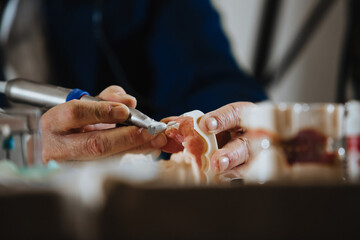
column 138, row 212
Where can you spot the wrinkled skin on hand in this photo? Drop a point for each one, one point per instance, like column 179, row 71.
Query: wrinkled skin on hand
column 82, row 130
column 233, row 151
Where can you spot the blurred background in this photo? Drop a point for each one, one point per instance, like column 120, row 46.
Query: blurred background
column 313, row 74
column 297, row 49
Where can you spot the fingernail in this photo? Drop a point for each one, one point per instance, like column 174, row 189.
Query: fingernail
column 223, row 163
column 159, row 141
column 120, row 113
column 211, row 124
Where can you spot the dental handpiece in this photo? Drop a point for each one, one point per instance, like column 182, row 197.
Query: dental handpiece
column 46, row 96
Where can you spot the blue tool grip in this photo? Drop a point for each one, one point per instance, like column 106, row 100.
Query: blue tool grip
column 9, row 143
column 76, row 94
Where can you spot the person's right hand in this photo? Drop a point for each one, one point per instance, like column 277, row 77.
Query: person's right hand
column 75, row 130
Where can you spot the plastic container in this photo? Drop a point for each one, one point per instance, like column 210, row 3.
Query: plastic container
column 352, row 132
column 294, row 142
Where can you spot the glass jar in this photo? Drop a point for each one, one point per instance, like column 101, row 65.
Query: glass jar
column 294, row 142
column 352, row 132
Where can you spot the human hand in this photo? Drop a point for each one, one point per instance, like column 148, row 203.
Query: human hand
column 233, row 151
column 83, row 130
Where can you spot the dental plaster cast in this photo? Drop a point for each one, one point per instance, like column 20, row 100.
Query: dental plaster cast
column 191, row 151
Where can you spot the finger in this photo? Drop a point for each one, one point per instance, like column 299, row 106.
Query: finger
column 234, row 153
column 77, row 114
column 90, row 145
column 157, row 143
column 225, row 118
column 98, row 126
column 117, row 94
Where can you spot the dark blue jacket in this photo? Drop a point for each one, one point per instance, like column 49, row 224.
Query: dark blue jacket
column 171, row 54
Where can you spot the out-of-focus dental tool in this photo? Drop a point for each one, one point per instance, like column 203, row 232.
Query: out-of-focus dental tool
column 19, row 136
column 43, row 95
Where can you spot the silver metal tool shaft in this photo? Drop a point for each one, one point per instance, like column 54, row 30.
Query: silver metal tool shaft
column 47, row 96
column 36, row 94
column 139, row 119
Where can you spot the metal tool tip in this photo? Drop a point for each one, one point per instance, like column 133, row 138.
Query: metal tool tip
column 157, row 127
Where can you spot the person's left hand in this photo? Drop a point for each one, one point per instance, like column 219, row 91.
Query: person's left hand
column 233, row 151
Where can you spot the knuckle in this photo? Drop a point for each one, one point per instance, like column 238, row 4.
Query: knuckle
column 224, row 120
column 135, row 137
column 132, row 102
column 242, row 150
column 101, row 110
column 216, row 156
column 228, row 116
column 115, row 88
column 73, row 110
column 239, row 153
column 97, row 145
column 234, row 109
column 126, row 99
column 132, row 138
column 235, row 114
column 128, row 140
column 129, row 102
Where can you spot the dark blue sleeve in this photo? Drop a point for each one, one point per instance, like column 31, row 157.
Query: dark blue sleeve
column 191, row 59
